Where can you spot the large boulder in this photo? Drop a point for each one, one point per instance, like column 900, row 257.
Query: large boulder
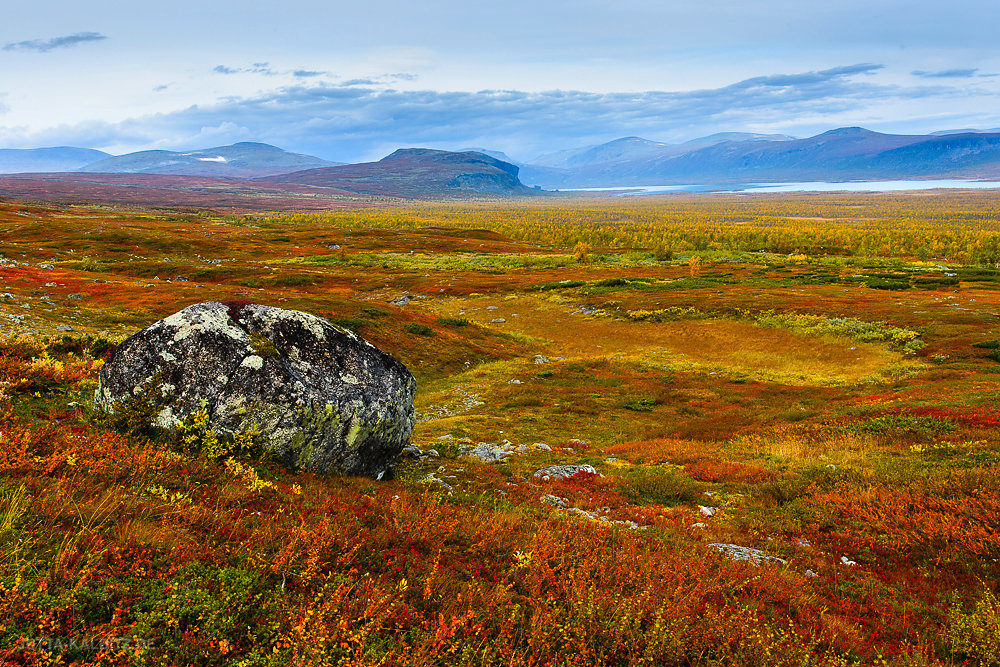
column 322, row 397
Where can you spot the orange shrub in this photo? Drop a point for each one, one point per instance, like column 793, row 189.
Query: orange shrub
column 728, row 471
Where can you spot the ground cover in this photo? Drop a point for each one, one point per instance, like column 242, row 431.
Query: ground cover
column 812, row 377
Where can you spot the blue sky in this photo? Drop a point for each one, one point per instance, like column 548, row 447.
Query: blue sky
column 352, row 81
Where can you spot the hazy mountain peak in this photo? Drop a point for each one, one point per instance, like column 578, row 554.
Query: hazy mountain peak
column 53, row 159
column 246, row 159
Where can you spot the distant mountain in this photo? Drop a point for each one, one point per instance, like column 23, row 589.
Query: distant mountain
column 419, row 173
column 626, row 148
column 635, row 148
column 242, row 160
column 722, row 137
column 499, row 155
column 968, row 130
column 36, row 160
column 850, row 153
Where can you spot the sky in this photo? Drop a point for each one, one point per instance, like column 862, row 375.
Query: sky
column 353, row 81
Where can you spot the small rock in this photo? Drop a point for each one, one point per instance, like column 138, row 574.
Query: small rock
column 334, row 246
column 563, row 472
column 611, row 460
column 47, row 267
column 434, row 481
column 433, row 453
column 542, row 446
column 75, row 297
column 848, row 562
column 738, row 553
column 412, row 451
column 65, row 327
column 486, row 452
column 707, row 511
column 699, row 525
column 810, row 573
column 181, row 279
column 492, row 308
column 514, row 381
column 400, row 301
column 555, row 501
column 498, row 320
column 51, row 285
column 541, row 359
column 799, row 542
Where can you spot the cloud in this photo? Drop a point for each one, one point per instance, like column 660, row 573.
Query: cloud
column 161, row 87
column 255, row 68
column 947, row 73
column 306, row 73
column 359, row 120
column 65, row 41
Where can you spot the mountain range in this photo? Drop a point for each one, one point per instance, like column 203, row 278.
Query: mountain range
column 844, row 154
column 243, row 160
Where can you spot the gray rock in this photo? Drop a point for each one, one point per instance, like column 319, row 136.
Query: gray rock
column 75, row 297
column 47, row 267
column 562, row 472
column 322, row 397
column 487, row 452
column 541, row 359
column 498, row 320
column 738, row 553
column 65, row 327
column 554, row 501
column 434, row 481
column 401, row 301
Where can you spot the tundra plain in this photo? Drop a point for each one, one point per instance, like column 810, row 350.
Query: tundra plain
column 814, row 377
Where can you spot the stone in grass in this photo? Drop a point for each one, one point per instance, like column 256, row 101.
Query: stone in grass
column 562, row 472
column 322, row 398
column 738, row 553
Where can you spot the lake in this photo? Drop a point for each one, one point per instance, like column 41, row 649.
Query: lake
column 815, row 186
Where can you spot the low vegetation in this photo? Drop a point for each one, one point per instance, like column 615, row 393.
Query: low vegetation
column 812, row 377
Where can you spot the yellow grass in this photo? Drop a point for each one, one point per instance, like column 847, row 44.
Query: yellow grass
column 730, row 347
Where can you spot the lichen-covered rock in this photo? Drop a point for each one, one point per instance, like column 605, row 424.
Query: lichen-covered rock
column 563, row 472
column 739, row 553
column 322, row 397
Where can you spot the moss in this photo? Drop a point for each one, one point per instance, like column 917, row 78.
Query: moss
column 262, row 346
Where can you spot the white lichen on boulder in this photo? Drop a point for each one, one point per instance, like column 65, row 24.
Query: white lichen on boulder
column 321, row 397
